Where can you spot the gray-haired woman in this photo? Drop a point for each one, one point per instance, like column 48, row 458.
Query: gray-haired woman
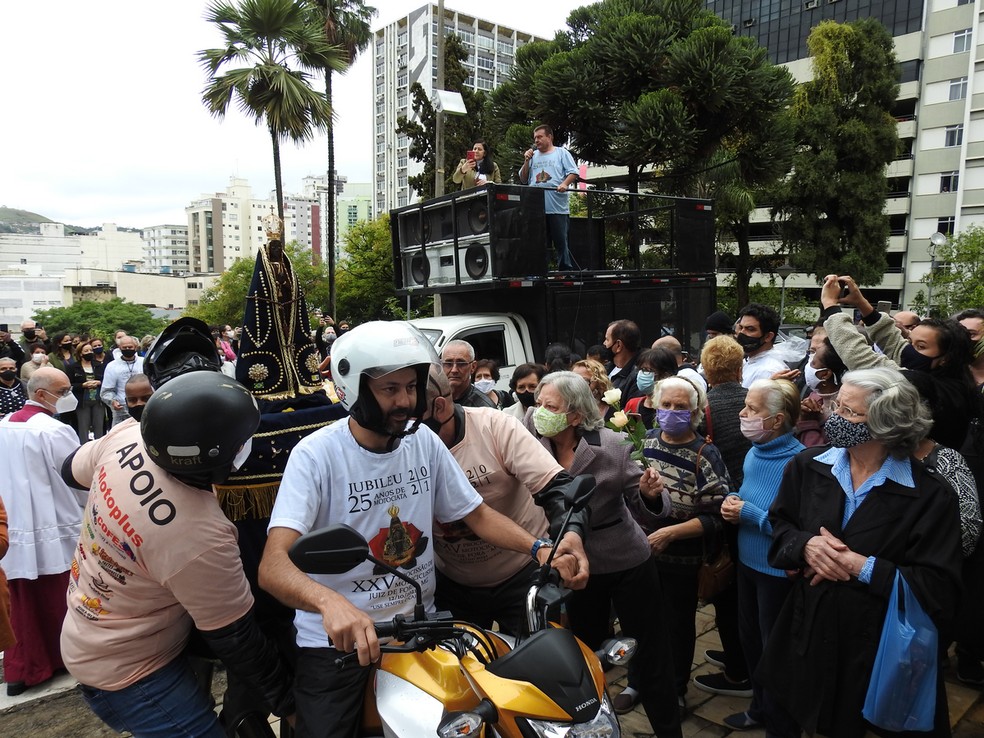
column 623, row 576
column 697, row 481
column 846, row 519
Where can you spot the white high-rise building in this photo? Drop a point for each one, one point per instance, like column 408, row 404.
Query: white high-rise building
column 166, row 249
column 405, row 52
column 228, row 226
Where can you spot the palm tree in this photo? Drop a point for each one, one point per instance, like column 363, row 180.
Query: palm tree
column 268, row 44
column 345, row 24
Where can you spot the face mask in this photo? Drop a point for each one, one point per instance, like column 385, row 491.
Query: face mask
column 547, row 423
column 813, row 381
column 88, row 356
column 753, row 428
column 66, row 346
column 128, row 353
column 6, row 376
column 136, row 412
column 645, row 380
column 485, row 385
column 912, row 359
column 29, row 334
column 842, row 433
column 607, row 355
column 37, row 358
column 230, row 334
column 673, row 422
column 749, row 343
column 525, row 399
column 97, row 350
column 64, row 403
column 243, row 454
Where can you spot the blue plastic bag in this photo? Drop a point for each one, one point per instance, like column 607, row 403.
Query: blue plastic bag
column 902, row 690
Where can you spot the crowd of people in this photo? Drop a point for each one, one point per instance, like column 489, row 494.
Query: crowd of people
column 823, row 476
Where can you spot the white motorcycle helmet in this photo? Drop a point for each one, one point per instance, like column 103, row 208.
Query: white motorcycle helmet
column 372, row 350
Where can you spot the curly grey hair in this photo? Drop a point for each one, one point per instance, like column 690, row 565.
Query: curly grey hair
column 698, row 400
column 897, row 416
column 577, row 394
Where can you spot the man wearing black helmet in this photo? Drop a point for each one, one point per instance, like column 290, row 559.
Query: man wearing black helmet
column 389, row 480
column 156, row 558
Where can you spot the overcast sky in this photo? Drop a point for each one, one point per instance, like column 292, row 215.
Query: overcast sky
column 103, row 120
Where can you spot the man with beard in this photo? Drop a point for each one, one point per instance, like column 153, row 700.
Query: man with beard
column 382, row 476
column 756, row 331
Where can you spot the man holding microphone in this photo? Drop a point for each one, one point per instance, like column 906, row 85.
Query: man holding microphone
column 552, row 168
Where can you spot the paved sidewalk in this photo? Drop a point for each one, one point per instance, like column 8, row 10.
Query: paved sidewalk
column 56, row 710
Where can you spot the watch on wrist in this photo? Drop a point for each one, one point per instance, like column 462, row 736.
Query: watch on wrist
column 538, row 544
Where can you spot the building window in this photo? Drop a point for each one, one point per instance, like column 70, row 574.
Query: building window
column 945, row 225
column 954, row 135
column 958, row 88
column 961, row 41
column 949, row 181
column 964, row 2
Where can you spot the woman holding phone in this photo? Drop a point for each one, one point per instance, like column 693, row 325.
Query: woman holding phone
column 477, row 168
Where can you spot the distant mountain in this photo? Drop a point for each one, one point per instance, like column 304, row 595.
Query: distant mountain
column 13, row 220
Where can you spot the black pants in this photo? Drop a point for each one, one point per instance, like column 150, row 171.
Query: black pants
column 679, row 582
column 635, row 593
column 328, row 699
column 504, row 604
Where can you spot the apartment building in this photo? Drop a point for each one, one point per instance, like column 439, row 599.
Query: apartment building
column 228, row 225
column 405, row 52
column 166, row 249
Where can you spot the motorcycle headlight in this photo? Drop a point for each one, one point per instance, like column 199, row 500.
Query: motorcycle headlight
column 604, row 725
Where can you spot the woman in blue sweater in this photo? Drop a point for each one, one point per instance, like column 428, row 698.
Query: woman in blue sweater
column 771, row 411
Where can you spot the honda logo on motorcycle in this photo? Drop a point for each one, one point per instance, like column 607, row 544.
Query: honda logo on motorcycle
column 587, row 704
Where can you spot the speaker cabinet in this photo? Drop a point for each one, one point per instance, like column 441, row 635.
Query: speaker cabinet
column 586, row 242
column 693, row 230
column 481, row 235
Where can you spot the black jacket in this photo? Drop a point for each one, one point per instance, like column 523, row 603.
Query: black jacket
column 820, row 652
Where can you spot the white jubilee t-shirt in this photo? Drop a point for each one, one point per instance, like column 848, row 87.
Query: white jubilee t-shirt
column 391, row 498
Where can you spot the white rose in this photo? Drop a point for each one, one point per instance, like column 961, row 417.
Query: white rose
column 612, row 396
column 620, row 419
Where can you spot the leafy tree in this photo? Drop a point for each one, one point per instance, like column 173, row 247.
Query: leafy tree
column 460, row 131
column 830, row 209
column 957, row 282
column 652, row 85
column 366, row 290
column 225, row 301
column 263, row 39
column 346, row 27
column 101, row 319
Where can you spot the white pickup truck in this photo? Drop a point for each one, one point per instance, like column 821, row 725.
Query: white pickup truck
column 503, row 337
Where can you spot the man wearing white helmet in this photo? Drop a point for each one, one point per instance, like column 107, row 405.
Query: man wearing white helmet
column 389, row 481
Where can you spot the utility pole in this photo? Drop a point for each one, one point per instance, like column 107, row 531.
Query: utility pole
column 439, row 113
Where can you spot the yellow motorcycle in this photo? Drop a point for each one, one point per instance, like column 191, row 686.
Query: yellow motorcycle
column 453, row 679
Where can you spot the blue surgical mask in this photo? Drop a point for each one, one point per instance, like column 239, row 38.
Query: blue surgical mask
column 645, row 381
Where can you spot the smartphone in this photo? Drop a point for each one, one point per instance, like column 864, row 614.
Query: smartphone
column 845, row 289
column 4, row 328
column 884, row 306
column 470, row 156
column 38, row 327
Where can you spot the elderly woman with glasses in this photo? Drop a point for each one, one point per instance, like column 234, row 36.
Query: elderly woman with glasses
column 846, row 519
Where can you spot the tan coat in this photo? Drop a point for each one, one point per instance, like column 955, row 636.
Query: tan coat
column 467, row 179
column 6, row 632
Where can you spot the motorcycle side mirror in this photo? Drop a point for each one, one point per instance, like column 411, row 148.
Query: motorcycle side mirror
column 579, row 492
column 335, row 549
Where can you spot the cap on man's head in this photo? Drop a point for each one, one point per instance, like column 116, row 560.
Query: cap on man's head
column 720, row 322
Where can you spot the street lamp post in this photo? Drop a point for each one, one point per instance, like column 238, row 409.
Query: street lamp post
column 783, row 271
column 935, row 241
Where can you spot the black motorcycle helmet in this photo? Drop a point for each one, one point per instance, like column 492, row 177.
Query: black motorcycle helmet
column 195, row 425
column 186, row 345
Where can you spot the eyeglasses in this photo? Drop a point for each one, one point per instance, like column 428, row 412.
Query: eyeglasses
column 846, row 412
column 453, row 364
column 64, row 393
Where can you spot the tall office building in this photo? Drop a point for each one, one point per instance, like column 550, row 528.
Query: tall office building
column 937, row 181
column 405, row 52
